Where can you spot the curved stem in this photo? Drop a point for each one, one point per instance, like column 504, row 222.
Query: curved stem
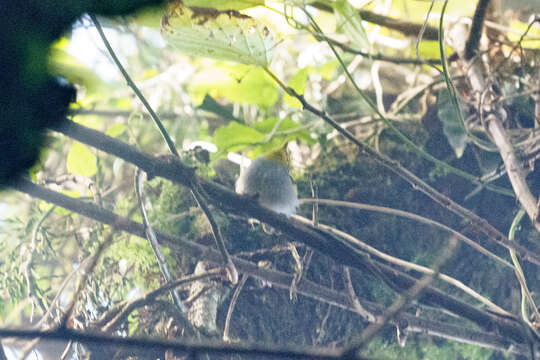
column 134, row 87
column 452, row 90
column 410, row 266
column 525, row 293
column 414, row 217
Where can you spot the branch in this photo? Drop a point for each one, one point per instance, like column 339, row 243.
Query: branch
column 495, row 119
column 402, row 301
column 506, row 326
column 493, row 235
column 473, row 42
column 409, row 215
column 405, row 27
column 379, row 57
column 213, row 348
column 120, row 311
column 342, row 251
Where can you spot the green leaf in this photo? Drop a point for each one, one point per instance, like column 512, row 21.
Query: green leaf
column 91, row 121
column 237, row 83
column 116, row 130
column 298, row 84
column 224, row 5
column 277, row 141
column 349, row 21
column 223, row 35
column 327, row 70
column 430, row 50
column 267, row 125
column 453, row 128
column 81, row 161
column 235, row 136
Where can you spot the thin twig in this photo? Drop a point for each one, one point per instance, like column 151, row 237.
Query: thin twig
column 525, row 293
column 64, row 323
column 411, row 266
column 402, row 301
column 232, row 305
column 120, row 312
column 232, row 273
column 152, row 239
column 28, row 264
column 354, row 299
column 412, row 216
column 379, row 57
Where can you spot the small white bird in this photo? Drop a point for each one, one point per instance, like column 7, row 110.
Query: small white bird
column 268, row 178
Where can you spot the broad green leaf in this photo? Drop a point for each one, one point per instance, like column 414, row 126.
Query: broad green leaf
column 115, row 129
column 236, row 136
column 224, row 5
column 260, row 139
column 266, row 126
column 81, row 161
column 287, row 130
column 33, row 172
column 238, row 83
column 223, row 35
column 453, row 128
column 349, row 21
column 298, row 84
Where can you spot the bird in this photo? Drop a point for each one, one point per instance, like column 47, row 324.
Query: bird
column 267, row 179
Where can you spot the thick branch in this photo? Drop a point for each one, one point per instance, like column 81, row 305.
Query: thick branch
column 405, row 27
column 514, row 168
